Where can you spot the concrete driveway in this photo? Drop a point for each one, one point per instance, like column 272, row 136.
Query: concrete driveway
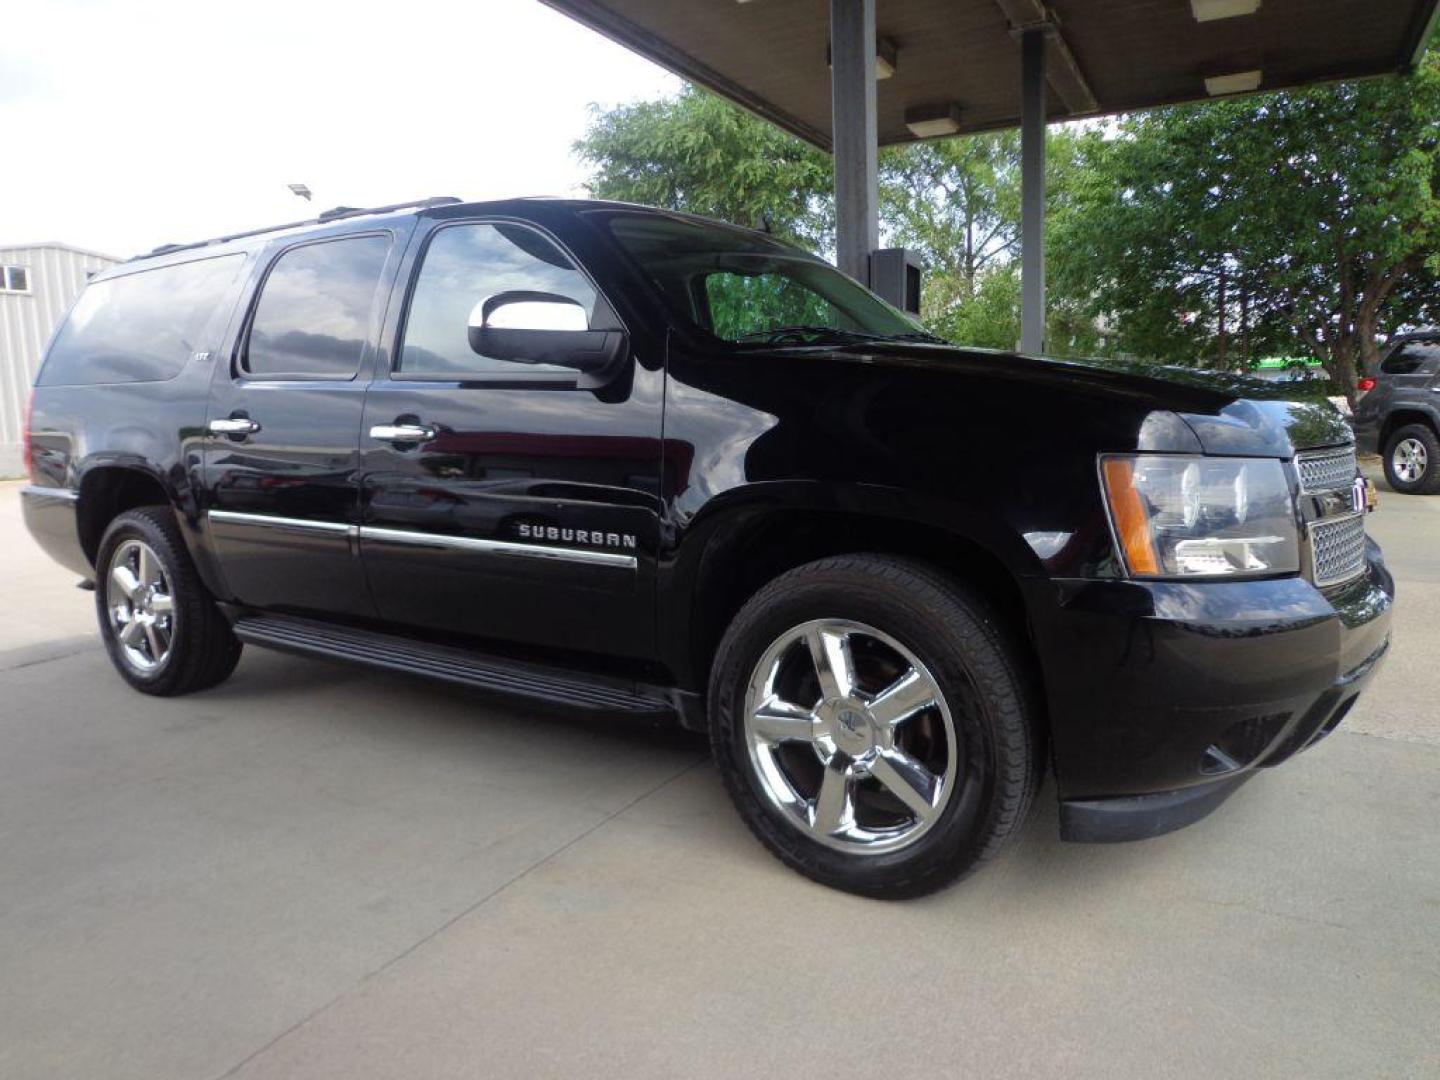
column 321, row 872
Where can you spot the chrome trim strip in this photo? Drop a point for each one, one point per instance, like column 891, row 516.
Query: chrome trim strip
column 268, row 521
column 498, row 547
column 39, row 491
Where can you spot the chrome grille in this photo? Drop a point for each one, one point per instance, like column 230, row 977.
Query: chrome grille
column 1326, row 470
column 1337, row 548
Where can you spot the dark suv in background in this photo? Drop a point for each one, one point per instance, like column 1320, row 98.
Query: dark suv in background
column 1399, row 415
column 638, row 464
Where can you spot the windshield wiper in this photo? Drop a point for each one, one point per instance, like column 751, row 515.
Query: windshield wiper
column 918, row 335
column 807, row 335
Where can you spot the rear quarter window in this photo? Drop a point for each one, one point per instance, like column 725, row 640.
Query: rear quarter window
column 139, row 327
column 316, row 309
column 1413, row 358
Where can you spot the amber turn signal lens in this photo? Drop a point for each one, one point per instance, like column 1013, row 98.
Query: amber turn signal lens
column 1132, row 526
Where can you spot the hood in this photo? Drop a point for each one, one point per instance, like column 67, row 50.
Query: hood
column 1226, row 413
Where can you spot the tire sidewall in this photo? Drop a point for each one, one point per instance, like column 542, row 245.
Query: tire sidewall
column 968, row 820
column 1428, row 481
column 136, row 526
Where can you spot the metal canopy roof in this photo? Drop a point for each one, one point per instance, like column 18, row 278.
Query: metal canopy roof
column 1106, row 55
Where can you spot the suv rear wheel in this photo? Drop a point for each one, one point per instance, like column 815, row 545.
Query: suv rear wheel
column 161, row 627
column 1412, row 460
column 873, row 726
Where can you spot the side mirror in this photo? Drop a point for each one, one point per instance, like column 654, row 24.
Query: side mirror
column 542, row 328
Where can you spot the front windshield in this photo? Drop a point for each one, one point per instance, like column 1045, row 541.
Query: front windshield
column 748, row 289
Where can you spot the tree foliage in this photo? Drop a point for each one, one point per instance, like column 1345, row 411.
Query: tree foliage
column 1211, row 234
column 1292, row 222
column 700, row 154
column 956, row 202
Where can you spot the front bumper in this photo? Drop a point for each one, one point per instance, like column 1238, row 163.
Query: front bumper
column 1165, row 696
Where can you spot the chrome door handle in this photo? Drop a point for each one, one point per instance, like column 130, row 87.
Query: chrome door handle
column 234, row 425
column 402, row 433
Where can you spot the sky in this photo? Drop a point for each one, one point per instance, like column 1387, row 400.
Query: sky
column 125, row 124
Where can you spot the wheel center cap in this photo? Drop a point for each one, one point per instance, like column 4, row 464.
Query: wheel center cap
column 845, row 726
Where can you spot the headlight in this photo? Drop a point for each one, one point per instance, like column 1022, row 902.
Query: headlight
column 1178, row 516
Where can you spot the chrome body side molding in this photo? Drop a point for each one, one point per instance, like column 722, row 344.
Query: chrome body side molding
column 39, row 491
column 498, row 547
column 269, row 521
column 408, row 538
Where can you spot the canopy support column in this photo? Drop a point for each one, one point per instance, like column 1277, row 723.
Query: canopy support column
column 852, row 94
column 1032, row 189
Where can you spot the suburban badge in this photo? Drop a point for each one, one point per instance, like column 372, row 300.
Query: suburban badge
column 589, row 537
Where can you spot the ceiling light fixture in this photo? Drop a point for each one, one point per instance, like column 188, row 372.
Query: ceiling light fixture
column 886, row 58
column 933, row 121
column 1211, row 10
column 1238, row 82
column 885, row 54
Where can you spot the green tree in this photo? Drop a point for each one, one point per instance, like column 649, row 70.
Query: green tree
column 1305, row 221
column 956, row 202
column 700, row 154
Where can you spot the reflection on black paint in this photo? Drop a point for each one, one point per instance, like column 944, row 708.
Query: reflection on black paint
column 315, row 309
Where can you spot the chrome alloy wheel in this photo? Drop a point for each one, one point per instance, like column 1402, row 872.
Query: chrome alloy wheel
column 142, row 610
column 850, row 736
column 1409, row 460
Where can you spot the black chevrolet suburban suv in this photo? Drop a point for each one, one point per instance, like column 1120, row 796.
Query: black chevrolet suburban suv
column 639, row 464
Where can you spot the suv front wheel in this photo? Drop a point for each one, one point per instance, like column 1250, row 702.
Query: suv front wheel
column 1412, row 460
column 161, row 627
column 873, row 725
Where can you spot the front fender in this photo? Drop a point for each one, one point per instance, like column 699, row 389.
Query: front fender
column 729, row 548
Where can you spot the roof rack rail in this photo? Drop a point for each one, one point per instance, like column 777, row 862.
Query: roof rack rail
column 327, row 216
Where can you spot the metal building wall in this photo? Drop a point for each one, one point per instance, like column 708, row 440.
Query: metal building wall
column 57, row 274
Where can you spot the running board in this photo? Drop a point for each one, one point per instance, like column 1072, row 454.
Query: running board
column 493, row 675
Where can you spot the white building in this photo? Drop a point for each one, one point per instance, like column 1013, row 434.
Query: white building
column 38, row 283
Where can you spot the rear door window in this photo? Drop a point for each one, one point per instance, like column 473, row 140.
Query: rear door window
column 317, row 309
column 140, row 327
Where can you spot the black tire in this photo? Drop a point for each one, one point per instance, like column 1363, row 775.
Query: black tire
column 979, row 674
column 202, row 649
column 1428, row 480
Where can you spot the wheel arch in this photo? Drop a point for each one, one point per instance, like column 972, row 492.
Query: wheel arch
column 110, row 487
column 1404, row 417
column 736, row 552
column 108, row 490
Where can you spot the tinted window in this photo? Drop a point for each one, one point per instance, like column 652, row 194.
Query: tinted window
column 140, row 327
column 466, row 264
column 743, row 286
column 1416, row 357
column 743, row 305
column 315, row 309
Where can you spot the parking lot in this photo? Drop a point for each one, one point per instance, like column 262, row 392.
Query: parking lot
column 325, row 872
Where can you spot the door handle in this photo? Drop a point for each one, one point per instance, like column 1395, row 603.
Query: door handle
column 403, row 433
column 234, row 425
